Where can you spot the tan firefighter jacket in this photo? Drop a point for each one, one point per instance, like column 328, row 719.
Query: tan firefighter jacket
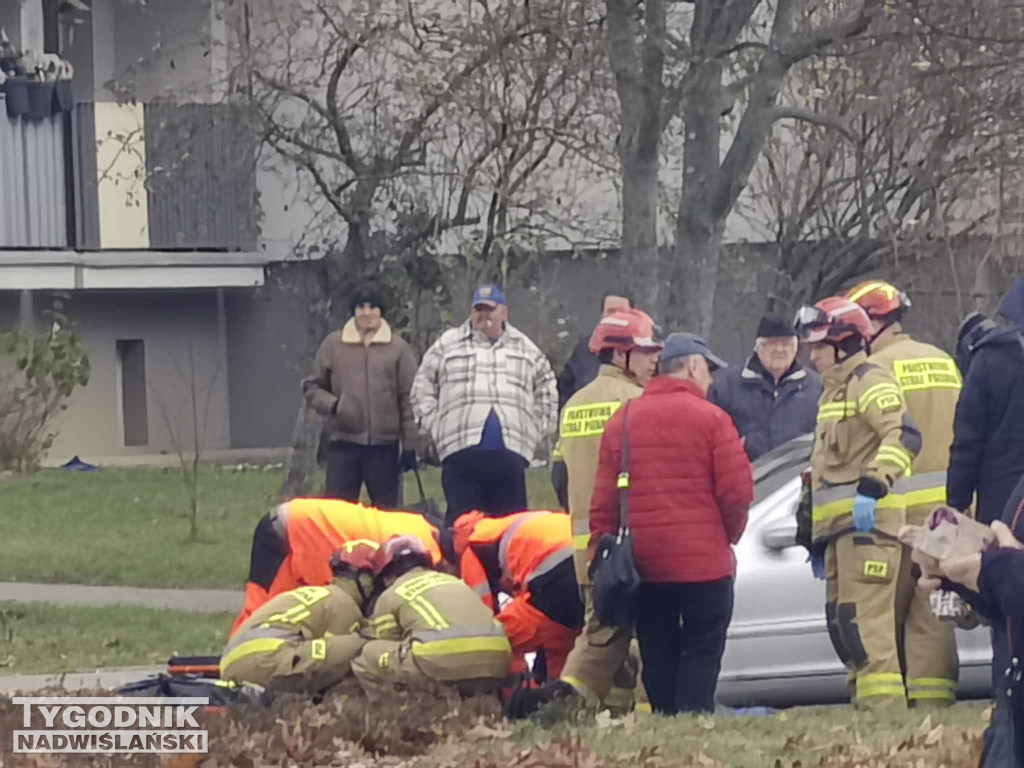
column 931, row 384
column 305, row 613
column 451, row 634
column 864, row 433
column 582, row 426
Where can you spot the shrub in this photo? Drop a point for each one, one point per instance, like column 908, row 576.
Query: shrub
column 38, row 373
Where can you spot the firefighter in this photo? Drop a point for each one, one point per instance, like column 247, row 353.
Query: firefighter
column 292, row 544
column 931, row 384
column 527, row 555
column 865, row 440
column 428, row 625
column 599, row 668
column 305, row 640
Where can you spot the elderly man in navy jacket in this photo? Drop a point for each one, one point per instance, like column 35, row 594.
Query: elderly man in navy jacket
column 772, row 399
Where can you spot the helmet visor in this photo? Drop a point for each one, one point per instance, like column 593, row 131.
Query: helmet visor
column 811, row 323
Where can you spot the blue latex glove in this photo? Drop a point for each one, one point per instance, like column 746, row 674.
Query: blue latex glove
column 864, row 512
column 817, row 565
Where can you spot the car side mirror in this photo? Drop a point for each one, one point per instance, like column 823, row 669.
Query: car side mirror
column 779, row 535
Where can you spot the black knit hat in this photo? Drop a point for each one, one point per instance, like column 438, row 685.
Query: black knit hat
column 368, row 293
column 774, row 325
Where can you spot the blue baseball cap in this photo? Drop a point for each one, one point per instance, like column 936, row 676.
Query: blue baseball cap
column 687, row 344
column 489, row 295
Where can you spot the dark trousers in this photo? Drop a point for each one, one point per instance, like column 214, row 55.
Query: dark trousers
column 492, row 482
column 350, row 465
column 681, row 630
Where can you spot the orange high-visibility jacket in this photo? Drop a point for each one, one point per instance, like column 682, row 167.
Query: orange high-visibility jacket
column 507, row 553
column 309, row 530
column 518, row 548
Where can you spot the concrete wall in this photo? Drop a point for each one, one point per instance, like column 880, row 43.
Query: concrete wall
column 270, row 349
column 166, row 322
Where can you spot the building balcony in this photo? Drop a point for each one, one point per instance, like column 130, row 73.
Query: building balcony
column 110, row 186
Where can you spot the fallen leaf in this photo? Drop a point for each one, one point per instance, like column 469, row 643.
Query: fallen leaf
column 482, row 732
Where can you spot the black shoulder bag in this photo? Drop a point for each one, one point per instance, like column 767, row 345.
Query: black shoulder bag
column 613, row 570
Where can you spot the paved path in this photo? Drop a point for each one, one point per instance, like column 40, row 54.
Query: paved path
column 106, row 678
column 194, row 600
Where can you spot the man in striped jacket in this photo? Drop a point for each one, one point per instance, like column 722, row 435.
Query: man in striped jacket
column 486, row 396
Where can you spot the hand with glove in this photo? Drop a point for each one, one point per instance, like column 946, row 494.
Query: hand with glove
column 864, row 512
column 817, row 565
column 407, row 463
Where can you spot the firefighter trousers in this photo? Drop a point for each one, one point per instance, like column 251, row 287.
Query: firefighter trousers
column 603, row 665
column 927, row 644
column 294, row 666
column 861, row 572
column 387, row 665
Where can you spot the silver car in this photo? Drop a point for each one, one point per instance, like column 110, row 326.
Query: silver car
column 778, row 651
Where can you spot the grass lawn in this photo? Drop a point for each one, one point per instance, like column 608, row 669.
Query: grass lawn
column 37, row 638
column 805, row 736
column 128, row 526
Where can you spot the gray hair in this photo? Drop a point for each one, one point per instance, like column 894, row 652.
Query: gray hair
column 678, row 363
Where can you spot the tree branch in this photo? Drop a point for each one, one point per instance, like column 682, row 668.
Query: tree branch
column 812, row 117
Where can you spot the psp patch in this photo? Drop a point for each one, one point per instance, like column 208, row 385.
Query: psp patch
column 876, row 569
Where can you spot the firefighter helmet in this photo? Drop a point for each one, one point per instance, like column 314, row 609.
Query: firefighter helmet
column 878, row 298
column 834, row 319
column 624, row 330
column 354, row 556
column 398, row 549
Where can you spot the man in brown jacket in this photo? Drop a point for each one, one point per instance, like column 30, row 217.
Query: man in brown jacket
column 361, row 382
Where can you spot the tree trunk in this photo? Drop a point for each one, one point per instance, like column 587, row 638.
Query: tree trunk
column 698, row 248
column 300, row 466
column 699, row 227
column 640, row 263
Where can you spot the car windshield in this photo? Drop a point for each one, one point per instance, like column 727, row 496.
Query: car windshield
column 779, row 466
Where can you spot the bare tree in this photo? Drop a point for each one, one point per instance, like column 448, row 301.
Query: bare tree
column 927, row 116
column 188, row 419
column 419, row 131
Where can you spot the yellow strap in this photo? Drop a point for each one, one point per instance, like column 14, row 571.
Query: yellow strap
column 940, row 695
column 259, row 645
column 837, row 411
column 824, row 512
column 931, row 682
column 587, row 420
column 580, row 541
column 924, row 496
column 880, row 684
column 894, row 455
column 462, row 645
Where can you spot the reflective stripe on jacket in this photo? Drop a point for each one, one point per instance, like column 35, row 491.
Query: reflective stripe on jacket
column 583, row 421
column 519, row 548
column 931, row 386
column 305, row 613
column 864, row 430
column 441, row 619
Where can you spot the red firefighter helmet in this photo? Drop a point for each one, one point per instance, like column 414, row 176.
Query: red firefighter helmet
column 354, row 557
column 834, row 319
column 624, row 330
column 399, row 548
column 878, row 298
